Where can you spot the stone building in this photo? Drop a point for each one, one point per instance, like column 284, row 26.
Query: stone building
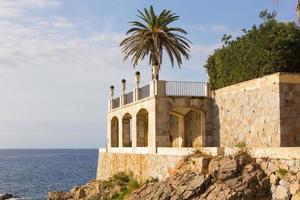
column 153, row 126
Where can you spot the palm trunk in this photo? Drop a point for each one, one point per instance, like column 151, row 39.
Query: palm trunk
column 155, row 72
column 298, row 11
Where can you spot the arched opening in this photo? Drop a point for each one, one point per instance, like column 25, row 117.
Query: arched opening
column 186, row 127
column 114, row 131
column 142, row 128
column 192, row 129
column 176, row 129
column 126, row 130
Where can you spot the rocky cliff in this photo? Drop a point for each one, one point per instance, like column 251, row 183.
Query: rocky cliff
column 233, row 177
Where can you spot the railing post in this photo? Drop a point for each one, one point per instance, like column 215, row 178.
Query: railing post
column 123, row 88
column 111, row 96
column 136, row 95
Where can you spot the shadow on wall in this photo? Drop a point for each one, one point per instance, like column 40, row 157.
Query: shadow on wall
column 215, row 125
column 289, row 115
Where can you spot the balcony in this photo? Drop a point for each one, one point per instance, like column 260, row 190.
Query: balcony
column 160, row 88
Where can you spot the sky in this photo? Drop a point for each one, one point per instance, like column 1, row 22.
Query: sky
column 59, row 57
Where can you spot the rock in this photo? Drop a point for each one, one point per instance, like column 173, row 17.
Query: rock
column 298, row 175
column 294, row 170
column 294, row 188
column 228, row 178
column 59, row 195
column 281, row 193
column 296, row 197
column 273, row 188
column 273, row 166
column 223, row 169
column 274, row 179
column 5, row 196
column 284, row 183
column 79, row 194
column 283, row 166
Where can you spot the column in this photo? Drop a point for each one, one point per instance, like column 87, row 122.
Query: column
column 123, row 89
column 181, row 130
column 134, row 130
column 137, row 86
column 152, row 132
column 111, row 97
column 120, row 132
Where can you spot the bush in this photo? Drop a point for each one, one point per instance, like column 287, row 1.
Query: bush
column 271, row 47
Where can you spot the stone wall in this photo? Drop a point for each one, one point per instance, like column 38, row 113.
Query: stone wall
column 142, row 166
column 290, row 109
column 256, row 113
column 281, row 165
column 183, row 119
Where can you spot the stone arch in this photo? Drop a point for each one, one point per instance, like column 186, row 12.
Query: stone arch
column 114, row 132
column 193, row 129
column 187, row 127
column 142, row 122
column 126, row 130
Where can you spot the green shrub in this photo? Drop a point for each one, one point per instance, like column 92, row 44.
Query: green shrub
column 132, row 185
column 281, row 173
column 265, row 49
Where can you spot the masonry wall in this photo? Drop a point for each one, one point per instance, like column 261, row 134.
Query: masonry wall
column 180, row 106
column 290, row 109
column 142, row 166
column 256, row 113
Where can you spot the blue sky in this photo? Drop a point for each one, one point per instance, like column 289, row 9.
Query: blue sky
column 58, row 58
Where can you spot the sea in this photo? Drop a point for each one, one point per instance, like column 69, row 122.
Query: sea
column 31, row 173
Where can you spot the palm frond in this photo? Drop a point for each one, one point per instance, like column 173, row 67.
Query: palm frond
column 153, row 35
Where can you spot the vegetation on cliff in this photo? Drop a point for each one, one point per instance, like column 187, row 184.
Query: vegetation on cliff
column 201, row 177
column 118, row 187
column 265, row 49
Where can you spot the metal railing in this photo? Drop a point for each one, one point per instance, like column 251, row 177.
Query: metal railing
column 128, row 98
column 116, row 103
column 144, row 91
column 185, row 88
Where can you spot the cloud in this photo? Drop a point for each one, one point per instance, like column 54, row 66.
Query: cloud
column 219, row 28
column 51, row 69
column 17, row 8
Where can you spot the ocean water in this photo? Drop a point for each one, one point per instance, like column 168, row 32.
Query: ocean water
column 31, row 173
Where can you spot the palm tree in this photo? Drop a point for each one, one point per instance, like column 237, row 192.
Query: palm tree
column 152, row 35
column 298, row 11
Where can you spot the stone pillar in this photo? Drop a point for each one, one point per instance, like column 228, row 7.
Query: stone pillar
column 123, row 89
column 207, row 90
column 134, row 131
column 137, row 86
column 152, row 132
column 153, row 88
column 108, row 134
column 181, row 130
column 120, row 132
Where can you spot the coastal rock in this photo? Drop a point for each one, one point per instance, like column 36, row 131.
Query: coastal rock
column 116, row 186
column 228, row 178
column 59, row 195
column 8, row 197
column 5, row 196
column 282, row 193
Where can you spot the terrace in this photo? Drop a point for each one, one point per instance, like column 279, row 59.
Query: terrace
column 161, row 114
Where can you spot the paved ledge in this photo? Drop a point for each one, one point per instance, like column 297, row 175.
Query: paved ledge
column 269, row 152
